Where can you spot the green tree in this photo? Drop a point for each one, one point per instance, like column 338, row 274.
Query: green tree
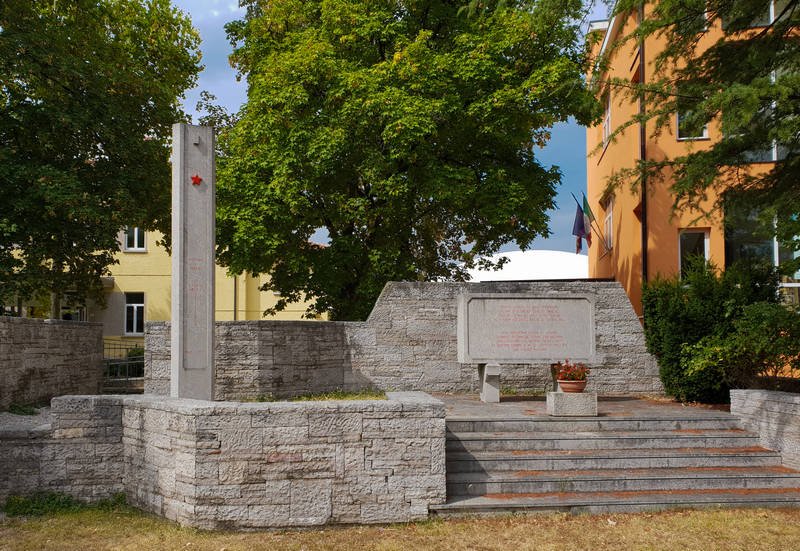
column 89, row 90
column 405, row 128
column 748, row 81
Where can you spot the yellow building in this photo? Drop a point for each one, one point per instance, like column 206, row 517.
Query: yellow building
column 139, row 290
column 644, row 237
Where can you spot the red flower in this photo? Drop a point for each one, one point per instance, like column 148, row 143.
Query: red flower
column 567, row 371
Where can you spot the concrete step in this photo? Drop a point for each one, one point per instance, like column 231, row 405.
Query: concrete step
column 677, row 438
column 621, row 502
column 559, row 460
column 617, row 480
column 708, row 421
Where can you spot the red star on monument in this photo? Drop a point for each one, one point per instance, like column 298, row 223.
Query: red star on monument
column 196, row 179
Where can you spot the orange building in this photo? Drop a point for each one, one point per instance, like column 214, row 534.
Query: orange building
column 644, row 237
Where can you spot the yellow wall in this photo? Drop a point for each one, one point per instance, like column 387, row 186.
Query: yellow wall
column 150, row 272
column 624, row 261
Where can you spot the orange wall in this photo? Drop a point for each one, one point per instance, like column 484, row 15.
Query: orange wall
column 624, row 261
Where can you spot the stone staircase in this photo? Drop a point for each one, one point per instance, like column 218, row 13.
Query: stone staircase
column 609, row 464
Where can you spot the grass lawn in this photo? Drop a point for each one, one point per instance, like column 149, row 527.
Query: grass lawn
column 125, row 528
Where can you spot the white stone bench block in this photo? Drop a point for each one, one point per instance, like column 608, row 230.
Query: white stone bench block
column 572, row 404
column 489, row 375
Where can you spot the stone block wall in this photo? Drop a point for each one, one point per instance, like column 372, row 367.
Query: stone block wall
column 40, row 359
column 239, row 465
column 262, row 358
column 78, row 454
column 410, row 339
column 775, row 416
column 409, row 342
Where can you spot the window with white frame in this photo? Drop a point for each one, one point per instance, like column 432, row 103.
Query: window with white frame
column 134, row 239
column 748, row 235
column 134, row 313
column 789, row 283
column 774, row 151
column 607, row 118
column 692, row 16
column 608, row 225
column 688, row 129
column 692, row 243
column 773, row 11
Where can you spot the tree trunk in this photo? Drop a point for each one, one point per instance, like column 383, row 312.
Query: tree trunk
column 55, row 306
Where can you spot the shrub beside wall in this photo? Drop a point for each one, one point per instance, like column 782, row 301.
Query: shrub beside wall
column 688, row 319
column 764, row 344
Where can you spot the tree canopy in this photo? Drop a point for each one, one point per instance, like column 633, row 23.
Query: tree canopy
column 748, row 82
column 405, row 128
column 89, row 90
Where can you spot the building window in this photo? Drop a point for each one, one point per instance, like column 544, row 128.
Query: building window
column 790, row 283
column 691, row 245
column 607, row 119
column 747, row 235
column 774, row 151
column 771, row 13
column 688, row 129
column 134, row 313
column 608, row 226
column 72, row 308
column 134, row 239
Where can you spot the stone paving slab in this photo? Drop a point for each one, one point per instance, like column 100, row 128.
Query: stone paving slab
column 460, row 406
column 12, row 422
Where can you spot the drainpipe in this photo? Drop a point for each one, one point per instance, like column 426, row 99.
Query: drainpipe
column 643, row 151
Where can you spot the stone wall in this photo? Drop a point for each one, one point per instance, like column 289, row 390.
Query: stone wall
column 239, row 465
column 262, row 358
column 78, row 454
column 775, row 416
column 40, row 359
column 409, row 342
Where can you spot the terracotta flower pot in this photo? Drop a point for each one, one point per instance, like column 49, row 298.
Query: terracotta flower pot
column 572, row 386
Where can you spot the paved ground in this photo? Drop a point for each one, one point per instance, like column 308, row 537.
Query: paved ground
column 469, row 405
column 9, row 421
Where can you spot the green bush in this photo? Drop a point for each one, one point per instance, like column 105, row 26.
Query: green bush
column 702, row 370
column 22, row 409
column 134, row 353
column 765, row 342
column 680, row 312
column 38, row 504
column 48, row 503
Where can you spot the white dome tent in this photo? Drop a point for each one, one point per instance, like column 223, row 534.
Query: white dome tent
column 536, row 264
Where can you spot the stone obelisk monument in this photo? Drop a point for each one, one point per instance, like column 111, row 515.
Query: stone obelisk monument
column 193, row 227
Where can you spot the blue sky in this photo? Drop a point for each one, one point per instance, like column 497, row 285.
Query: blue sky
column 567, row 148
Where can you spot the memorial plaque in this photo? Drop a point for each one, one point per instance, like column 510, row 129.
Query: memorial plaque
column 518, row 328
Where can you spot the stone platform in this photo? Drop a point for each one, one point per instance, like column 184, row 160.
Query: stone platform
column 235, row 465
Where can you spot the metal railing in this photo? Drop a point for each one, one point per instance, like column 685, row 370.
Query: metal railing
column 123, row 365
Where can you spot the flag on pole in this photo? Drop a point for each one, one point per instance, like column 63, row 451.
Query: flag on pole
column 579, row 229
column 588, row 218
